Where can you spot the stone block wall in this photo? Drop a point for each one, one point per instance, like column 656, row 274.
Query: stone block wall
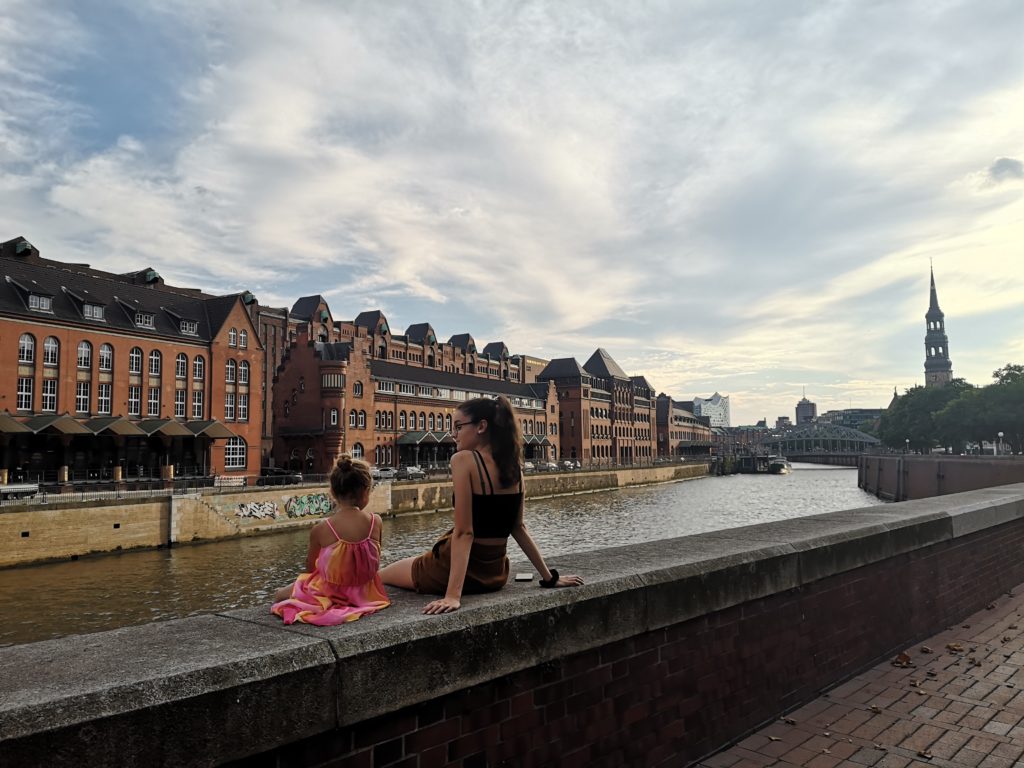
column 670, row 651
column 907, row 476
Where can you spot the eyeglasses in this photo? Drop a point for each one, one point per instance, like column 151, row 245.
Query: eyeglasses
column 460, row 424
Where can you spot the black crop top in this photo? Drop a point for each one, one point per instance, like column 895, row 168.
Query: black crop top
column 494, row 514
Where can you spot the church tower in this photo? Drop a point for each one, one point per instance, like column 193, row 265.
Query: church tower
column 938, row 370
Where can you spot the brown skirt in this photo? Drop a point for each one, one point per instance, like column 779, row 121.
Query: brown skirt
column 487, row 570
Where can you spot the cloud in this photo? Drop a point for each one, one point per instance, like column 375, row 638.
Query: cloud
column 1005, row 169
column 715, row 192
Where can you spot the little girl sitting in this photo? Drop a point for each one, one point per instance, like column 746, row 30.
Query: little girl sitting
column 341, row 583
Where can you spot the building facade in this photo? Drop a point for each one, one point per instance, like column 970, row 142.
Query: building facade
column 680, row 432
column 938, row 369
column 806, row 411
column 714, row 408
column 606, row 416
column 357, row 387
column 120, row 376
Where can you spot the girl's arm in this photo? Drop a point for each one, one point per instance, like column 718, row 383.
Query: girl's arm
column 532, row 552
column 462, row 535
column 314, row 548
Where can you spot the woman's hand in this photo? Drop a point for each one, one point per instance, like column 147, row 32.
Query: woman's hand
column 569, row 581
column 443, row 605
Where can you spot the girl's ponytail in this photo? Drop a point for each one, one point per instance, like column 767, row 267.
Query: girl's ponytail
column 503, row 434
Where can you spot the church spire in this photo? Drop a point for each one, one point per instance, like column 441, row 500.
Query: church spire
column 938, row 369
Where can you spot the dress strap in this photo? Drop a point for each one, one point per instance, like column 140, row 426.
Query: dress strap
column 335, row 532
column 481, row 468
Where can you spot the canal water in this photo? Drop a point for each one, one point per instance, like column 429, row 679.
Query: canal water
column 108, row 591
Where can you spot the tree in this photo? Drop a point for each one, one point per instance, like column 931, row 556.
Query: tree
column 1008, row 374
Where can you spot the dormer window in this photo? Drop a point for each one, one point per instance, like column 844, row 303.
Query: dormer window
column 93, row 311
column 191, row 327
column 40, row 303
column 145, row 319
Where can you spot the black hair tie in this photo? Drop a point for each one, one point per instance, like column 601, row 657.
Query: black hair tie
column 552, row 581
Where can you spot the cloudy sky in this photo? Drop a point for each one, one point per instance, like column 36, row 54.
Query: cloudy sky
column 732, row 196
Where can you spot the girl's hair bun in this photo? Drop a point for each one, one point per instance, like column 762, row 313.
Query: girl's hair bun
column 344, row 462
column 349, row 477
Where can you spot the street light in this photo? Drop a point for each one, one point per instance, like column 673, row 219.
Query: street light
column 907, row 449
column 999, row 446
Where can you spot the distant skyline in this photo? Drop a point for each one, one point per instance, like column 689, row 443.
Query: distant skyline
column 731, row 196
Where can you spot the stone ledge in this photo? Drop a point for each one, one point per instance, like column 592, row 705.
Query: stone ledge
column 230, row 685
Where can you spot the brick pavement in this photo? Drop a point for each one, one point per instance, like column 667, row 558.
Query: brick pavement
column 958, row 703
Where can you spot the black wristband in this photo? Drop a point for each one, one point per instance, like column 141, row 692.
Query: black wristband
column 552, row 581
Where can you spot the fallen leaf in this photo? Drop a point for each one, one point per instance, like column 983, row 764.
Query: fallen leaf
column 902, row 660
column 774, row 738
column 966, row 626
column 925, row 754
column 921, row 693
column 875, row 709
column 1007, row 638
column 881, row 747
column 954, row 648
column 826, row 733
column 826, row 751
column 789, row 721
column 1012, row 626
column 990, row 606
column 932, row 673
column 926, row 649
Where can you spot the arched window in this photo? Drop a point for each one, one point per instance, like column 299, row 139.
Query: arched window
column 376, row 455
column 448, row 422
column 357, row 451
column 391, row 420
column 232, row 338
column 430, row 422
column 155, row 359
column 106, row 357
column 376, row 419
column 423, row 421
column 198, row 368
column 180, row 366
column 84, row 354
column 357, row 389
column 352, row 418
column 334, row 417
column 243, row 339
column 51, row 351
column 229, row 372
column 235, row 453
column 27, row 348
column 401, row 420
column 362, row 420
column 135, row 360
column 243, row 372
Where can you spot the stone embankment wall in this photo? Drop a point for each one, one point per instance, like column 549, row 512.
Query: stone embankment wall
column 671, row 650
column 39, row 532
column 908, row 476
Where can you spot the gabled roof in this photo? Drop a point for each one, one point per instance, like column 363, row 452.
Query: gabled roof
column 337, row 350
column 602, row 365
column 497, row 350
column 640, row 381
column 419, row 332
column 218, row 309
column 462, row 341
column 304, row 308
column 369, row 319
column 562, row 368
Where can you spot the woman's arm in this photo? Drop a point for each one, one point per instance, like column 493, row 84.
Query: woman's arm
column 462, row 535
column 532, row 552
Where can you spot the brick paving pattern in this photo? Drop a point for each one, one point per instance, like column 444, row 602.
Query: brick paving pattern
column 958, row 702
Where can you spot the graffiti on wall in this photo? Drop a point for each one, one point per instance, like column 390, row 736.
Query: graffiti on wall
column 307, row 505
column 257, row 509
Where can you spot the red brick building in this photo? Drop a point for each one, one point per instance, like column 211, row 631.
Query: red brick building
column 355, row 386
column 606, row 416
column 107, row 376
column 680, row 432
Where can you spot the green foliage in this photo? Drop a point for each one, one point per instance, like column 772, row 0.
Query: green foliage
column 958, row 413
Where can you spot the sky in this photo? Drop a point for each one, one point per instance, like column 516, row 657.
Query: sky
column 742, row 197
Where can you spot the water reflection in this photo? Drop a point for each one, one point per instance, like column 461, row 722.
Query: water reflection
column 117, row 590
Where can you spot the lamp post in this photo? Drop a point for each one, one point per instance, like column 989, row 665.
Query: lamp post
column 907, row 443
column 999, row 445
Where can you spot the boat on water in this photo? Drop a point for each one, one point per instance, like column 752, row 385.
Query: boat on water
column 779, row 465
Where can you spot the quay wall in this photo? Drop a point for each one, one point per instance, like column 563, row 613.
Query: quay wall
column 909, row 476
column 670, row 651
column 32, row 532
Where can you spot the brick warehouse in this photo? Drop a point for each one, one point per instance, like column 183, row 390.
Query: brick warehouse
column 391, row 398
column 106, row 376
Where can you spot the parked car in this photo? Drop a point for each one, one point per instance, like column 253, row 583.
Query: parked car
column 412, row 472
column 278, row 476
column 570, row 464
column 528, row 466
column 383, row 473
column 548, row 466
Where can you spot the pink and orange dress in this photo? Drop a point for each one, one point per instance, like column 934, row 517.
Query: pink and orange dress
column 344, row 585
